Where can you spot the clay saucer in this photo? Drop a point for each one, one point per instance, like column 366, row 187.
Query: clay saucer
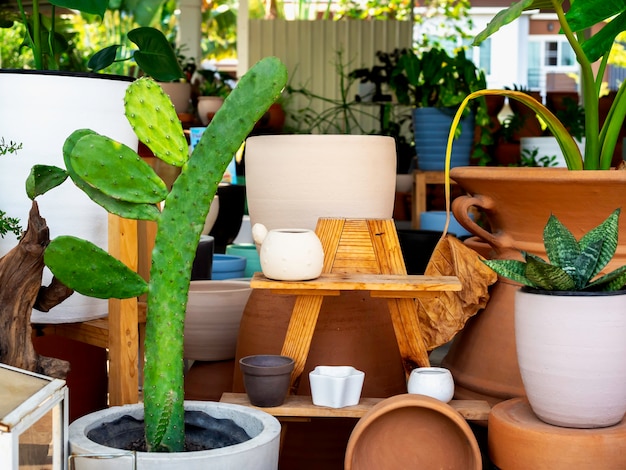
column 412, row 431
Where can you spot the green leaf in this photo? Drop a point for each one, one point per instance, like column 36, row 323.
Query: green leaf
column 502, row 18
column 547, row 276
column 94, row 7
column 615, row 280
column 103, row 58
column 585, row 14
column 90, row 270
column 561, row 245
column 602, row 41
column 116, row 170
column 511, row 269
column 114, row 206
column 155, row 55
column 585, row 266
column 42, row 178
column 608, row 232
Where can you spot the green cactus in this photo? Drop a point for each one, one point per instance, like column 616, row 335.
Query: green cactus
column 114, row 178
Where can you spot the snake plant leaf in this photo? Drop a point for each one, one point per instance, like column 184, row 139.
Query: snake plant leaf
column 511, row 269
column 116, row 170
column 584, row 268
column 125, row 209
column 608, row 232
column 547, row 276
column 155, row 55
column 615, row 280
column 560, row 244
column 91, row 270
column 43, row 178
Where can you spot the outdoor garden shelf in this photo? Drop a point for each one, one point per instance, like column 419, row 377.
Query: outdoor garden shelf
column 359, row 255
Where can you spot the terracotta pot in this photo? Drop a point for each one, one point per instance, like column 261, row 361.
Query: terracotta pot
column 412, row 431
column 571, row 350
column 517, row 203
column 179, row 93
column 292, row 180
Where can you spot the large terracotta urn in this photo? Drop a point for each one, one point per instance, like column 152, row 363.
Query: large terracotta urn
column 516, row 203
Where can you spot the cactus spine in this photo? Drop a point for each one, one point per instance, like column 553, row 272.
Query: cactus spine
column 179, row 224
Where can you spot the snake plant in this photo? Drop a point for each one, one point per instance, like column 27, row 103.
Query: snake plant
column 573, row 264
column 582, row 17
column 116, row 178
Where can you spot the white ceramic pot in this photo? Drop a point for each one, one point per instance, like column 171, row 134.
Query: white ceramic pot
column 336, row 386
column 212, row 320
column 293, row 180
column 434, row 382
column 258, row 453
column 289, row 254
column 27, row 99
column 207, row 107
column 571, row 351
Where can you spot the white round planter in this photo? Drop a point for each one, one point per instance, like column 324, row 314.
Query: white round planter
column 258, row 453
column 571, row 352
column 547, row 146
column 207, row 107
column 212, row 320
column 293, row 180
column 436, row 382
column 40, row 110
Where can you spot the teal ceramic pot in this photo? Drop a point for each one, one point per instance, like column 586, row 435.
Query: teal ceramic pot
column 250, row 253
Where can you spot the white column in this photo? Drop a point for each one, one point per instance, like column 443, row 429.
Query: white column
column 189, row 31
column 243, row 17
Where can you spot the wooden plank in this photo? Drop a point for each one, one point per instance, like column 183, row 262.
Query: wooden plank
column 123, row 319
column 299, row 334
column 302, row 406
column 370, row 282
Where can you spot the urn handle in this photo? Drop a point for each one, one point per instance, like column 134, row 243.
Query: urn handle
column 461, row 207
column 259, row 232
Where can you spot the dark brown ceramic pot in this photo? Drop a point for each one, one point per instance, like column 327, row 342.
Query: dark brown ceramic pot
column 517, row 203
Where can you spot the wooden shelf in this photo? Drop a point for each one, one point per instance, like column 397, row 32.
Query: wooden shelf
column 301, row 406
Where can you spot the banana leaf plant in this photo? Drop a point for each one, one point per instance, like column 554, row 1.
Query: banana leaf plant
column 116, row 178
column 576, row 24
column 573, row 264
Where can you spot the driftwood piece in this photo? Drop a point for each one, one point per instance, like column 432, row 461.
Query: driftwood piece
column 21, row 272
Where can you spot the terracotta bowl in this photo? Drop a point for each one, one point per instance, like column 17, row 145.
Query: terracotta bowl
column 412, row 431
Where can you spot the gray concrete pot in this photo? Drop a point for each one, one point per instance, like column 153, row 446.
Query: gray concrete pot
column 258, row 453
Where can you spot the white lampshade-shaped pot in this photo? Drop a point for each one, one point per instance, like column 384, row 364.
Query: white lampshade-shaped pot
column 293, row 180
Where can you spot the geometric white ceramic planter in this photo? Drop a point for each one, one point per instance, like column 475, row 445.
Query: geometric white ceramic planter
column 336, row 386
column 258, row 453
column 572, row 355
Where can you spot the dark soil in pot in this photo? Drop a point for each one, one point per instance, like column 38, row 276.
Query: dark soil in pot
column 202, row 432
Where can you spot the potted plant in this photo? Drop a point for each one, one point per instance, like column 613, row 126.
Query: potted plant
column 571, row 361
column 435, row 84
column 212, row 87
column 134, row 192
column 517, row 201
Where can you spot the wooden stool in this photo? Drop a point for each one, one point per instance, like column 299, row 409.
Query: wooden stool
column 518, row 440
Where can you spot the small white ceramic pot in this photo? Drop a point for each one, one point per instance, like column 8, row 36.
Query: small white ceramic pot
column 289, row 254
column 336, row 386
column 434, row 382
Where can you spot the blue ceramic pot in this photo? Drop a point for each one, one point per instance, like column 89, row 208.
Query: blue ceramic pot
column 228, row 267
